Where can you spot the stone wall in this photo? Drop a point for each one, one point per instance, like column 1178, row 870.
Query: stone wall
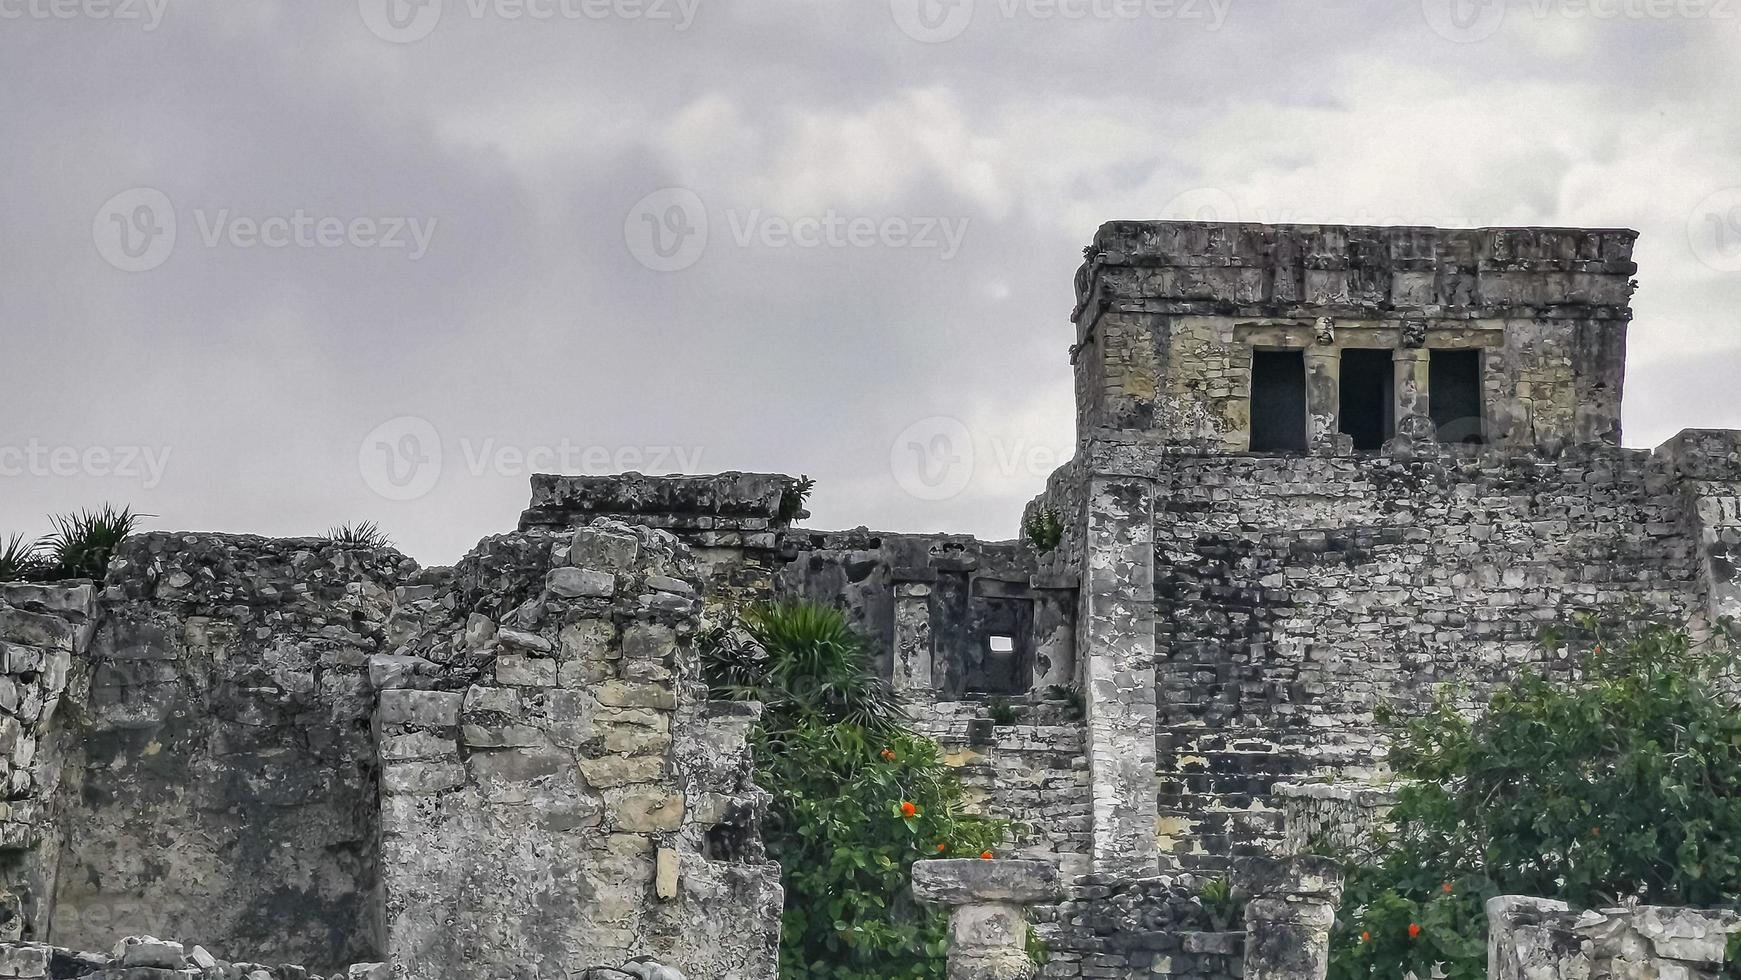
column 575, row 801
column 219, row 779
column 1293, row 596
column 1137, row 928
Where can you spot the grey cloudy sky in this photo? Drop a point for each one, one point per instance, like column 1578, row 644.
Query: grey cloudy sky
column 423, row 230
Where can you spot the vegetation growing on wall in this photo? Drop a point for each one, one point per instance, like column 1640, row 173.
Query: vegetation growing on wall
column 1044, row 530
column 1622, row 784
column 80, row 546
column 857, row 797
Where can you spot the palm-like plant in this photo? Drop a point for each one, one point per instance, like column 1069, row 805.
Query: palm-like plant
column 804, row 663
column 368, row 534
column 20, row 559
column 82, row 543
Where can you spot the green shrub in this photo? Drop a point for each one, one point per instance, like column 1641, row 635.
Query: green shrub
column 1001, row 712
column 1623, row 784
column 82, row 543
column 857, row 797
column 793, row 498
column 1044, row 530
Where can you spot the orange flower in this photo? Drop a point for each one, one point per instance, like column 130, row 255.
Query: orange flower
column 889, row 754
column 909, row 810
column 1366, row 937
column 985, row 856
column 1414, row 930
column 1598, row 648
column 942, row 848
column 1446, row 887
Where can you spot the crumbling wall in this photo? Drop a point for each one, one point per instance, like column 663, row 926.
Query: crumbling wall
column 563, row 796
column 1139, row 928
column 219, row 778
column 43, row 629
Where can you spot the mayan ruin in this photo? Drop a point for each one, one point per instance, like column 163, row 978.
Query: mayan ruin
column 1321, row 474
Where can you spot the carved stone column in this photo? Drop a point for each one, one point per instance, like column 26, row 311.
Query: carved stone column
column 1117, row 624
column 1054, row 630
column 988, row 921
column 1324, row 402
column 913, row 644
column 1412, row 373
column 1287, row 921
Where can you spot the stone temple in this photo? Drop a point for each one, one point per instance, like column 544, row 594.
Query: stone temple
column 1319, row 470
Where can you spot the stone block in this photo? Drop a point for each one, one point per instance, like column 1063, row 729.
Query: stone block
column 137, row 951
column 968, row 881
column 649, row 813
column 518, row 671
column 416, row 745
column 618, row 694
column 422, row 777
column 522, row 640
column 576, row 583
column 428, row 709
column 665, row 874
column 612, row 772
column 597, row 548
column 389, row 672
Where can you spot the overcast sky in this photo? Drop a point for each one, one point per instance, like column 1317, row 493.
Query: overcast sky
column 272, row 265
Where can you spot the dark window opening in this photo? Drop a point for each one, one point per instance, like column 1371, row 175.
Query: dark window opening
column 1368, row 413
column 1454, row 396
column 1002, row 656
column 1278, row 401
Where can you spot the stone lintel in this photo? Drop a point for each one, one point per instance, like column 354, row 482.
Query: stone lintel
column 957, row 882
column 1304, row 876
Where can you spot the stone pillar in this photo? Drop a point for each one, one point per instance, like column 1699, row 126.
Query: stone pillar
column 1054, row 631
column 1287, row 921
column 1541, row 939
column 1118, row 643
column 913, row 645
column 1324, row 402
column 988, row 921
column 1412, row 372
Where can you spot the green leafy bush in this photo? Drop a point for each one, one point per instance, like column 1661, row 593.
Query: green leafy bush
column 1622, row 784
column 857, row 797
column 1044, row 530
column 80, row 546
column 795, row 496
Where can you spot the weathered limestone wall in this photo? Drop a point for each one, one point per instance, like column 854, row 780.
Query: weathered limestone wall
column 42, row 629
column 219, row 778
column 1139, row 929
column 1541, row 939
column 571, row 799
column 730, row 521
column 150, row 958
column 1295, row 595
column 1169, row 313
column 1034, row 772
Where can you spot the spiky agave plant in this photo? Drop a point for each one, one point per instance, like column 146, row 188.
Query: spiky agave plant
column 367, row 534
column 20, row 559
column 82, row 543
